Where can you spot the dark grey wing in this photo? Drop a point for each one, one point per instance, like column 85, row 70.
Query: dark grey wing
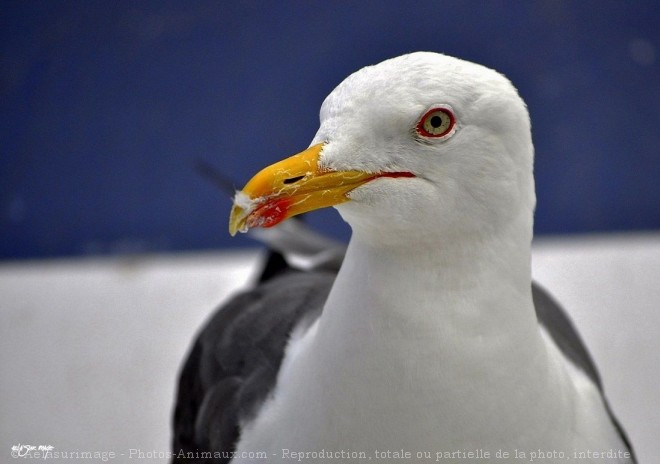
column 560, row 328
column 233, row 364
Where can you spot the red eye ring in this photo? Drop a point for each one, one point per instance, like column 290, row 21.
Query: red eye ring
column 437, row 122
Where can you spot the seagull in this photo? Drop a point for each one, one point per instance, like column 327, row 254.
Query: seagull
column 429, row 340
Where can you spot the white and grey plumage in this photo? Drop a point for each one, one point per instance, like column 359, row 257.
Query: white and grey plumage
column 428, row 338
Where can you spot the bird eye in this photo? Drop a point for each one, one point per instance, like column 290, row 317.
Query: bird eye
column 437, row 122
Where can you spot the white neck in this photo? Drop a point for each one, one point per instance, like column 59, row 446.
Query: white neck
column 481, row 288
column 418, row 355
column 441, row 329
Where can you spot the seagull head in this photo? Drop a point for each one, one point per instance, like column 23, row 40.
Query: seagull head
column 419, row 146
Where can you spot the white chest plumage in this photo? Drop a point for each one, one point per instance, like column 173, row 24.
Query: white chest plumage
column 401, row 369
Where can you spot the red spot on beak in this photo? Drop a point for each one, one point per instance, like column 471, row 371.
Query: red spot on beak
column 271, row 213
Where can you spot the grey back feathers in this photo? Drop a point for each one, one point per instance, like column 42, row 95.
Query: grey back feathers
column 233, row 364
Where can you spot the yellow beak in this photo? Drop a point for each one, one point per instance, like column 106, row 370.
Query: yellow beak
column 294, row 186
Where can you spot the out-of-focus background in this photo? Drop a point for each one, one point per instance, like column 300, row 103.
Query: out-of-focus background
column 114, row 249
column 108, row 106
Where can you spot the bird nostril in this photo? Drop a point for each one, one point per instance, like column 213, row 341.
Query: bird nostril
column 293, row 180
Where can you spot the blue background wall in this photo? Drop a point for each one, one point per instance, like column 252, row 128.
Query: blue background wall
column 105, row 107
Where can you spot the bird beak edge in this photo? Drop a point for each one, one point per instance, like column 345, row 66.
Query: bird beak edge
column 289, row 187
